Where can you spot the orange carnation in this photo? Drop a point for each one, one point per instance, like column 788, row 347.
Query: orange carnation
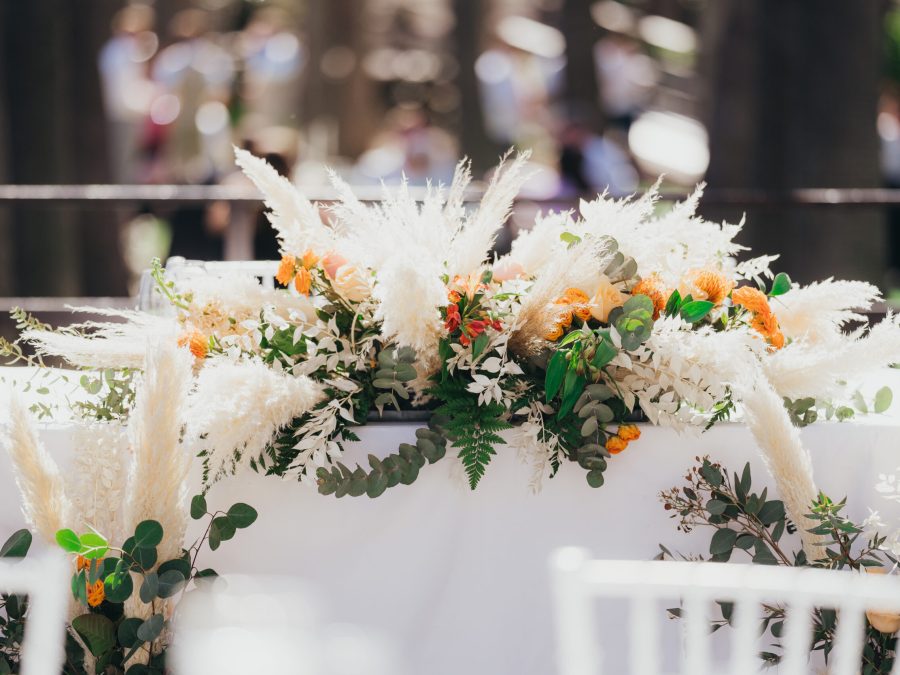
column 710, row 285
column 96, row 593
column 286, row 269
column 303, row 281
column 616, row 444
column 629, row 432
column 654, row 289
column 309, row 259
column 197, row 343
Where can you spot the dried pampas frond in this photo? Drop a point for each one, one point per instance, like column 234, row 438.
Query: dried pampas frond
column 801, row 369
column 817, row 312
column 42, row 488
column 576, row 267
column 295, row 218
column 476, row 235
column 788, row 461
column 157, row 483
column 96, row 483
column 535, row 248
column 103, row 345
column 236, row 409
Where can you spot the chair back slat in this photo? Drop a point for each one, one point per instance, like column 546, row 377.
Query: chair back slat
column 848, row 642
column 797, row 638
column 578, row 581
column 745, row 618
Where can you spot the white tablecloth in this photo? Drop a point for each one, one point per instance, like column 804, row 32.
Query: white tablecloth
column 457, row 581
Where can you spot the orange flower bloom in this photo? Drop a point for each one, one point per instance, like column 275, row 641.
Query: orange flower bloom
column 197, row 343
column 654, row 289
column 629, row 432
column 752, row 299
column 453, row 297
column 286, row 269
column 554, row 333
column 764, row 321
column 82, row 563
column 582, row 311
column 309, row 259
column 96, row 593
column 616, row 444
column 303, row 281
column 572, row 296
column 707, row 284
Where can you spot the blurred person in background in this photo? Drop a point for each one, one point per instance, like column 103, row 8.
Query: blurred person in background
column 590, row 163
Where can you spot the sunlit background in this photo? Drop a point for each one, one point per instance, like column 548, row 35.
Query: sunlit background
column 755, row 98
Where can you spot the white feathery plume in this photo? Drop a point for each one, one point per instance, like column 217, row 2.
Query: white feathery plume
column 157, row 482
column 671, row 245
column 104, row 344
column 294, row 217
column 576, row 267
column 788, row 461
column 816, row 313
column 535, row 248
column 96, row 482
column 475, row 237
column 42, row 488
column 801, row 369
column 237, row 407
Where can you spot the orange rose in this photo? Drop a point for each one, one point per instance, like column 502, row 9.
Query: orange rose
column 629, row 432
column 554, row 333
column 286, row 269
column 615, row 445
column 303, row 281
column 309, row 259
column 96, row 593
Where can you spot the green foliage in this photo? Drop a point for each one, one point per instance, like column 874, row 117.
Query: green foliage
column 399, row 468
column 633, row 321
column 395, row 369
column 748, row 523
column 781, row 284
column 579, row 359
column 474, row 429
column 17, row 545
column 166, row 287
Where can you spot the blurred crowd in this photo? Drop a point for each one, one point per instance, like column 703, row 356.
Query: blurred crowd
column 178, row 96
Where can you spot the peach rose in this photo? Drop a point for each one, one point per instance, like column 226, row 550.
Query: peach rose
column 331, row 261
column 350, row 283
column 506, row 269
column 605, row 300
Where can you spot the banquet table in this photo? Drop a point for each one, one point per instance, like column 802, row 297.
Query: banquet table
column 455, row 581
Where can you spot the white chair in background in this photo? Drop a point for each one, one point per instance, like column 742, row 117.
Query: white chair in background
column 46, row 583
column 578, row 581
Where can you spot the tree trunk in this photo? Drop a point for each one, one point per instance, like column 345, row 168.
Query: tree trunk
column 474, row 141
column 792, row 103
column 582, row 93
column 56, row 134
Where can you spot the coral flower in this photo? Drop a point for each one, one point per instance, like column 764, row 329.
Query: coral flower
column 303, row 281
column 197, row 343
column 475, row 328
column 654, row 289
column 706, row 284
column 96, row 593
column 286, row 269
column 309, row 259
column 629, row 432
column 505, row 269
column 453, row 318
column 454, row 296
column 616, row 444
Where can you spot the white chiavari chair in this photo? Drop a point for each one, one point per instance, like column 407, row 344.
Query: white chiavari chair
column 578, row 582
column 46, row 583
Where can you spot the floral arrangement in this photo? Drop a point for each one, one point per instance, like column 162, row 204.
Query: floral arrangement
column 596, row 319
column 749, row 524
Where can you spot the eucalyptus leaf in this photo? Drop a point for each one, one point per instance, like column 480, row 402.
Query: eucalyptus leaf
column 151, row 628
column 883, row 399
column 242, row 515
column 148, row 533
column 17, row 545
column 68, row 541
column 723, row 541
column 149, row 588
column 198, row 507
